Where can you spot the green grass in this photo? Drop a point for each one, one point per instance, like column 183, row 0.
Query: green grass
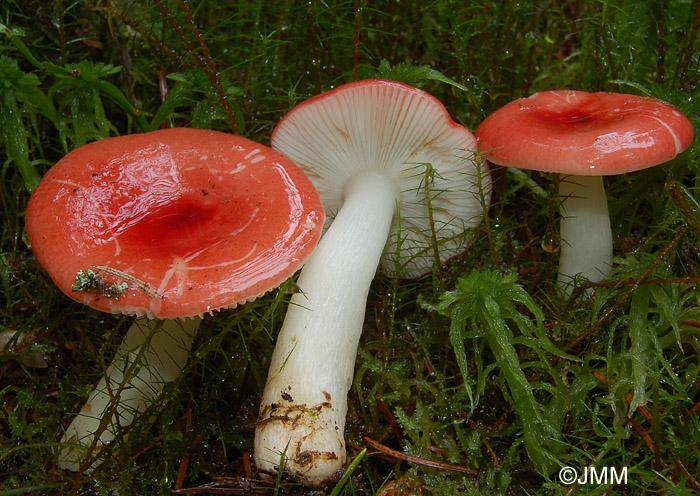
column 612, row 380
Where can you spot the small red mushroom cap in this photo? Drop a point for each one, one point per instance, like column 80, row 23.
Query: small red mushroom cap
column 188, row 221
column 575, row 132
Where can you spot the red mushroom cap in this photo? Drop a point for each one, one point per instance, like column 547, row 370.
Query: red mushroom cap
column 191, row 220
column 575, row 132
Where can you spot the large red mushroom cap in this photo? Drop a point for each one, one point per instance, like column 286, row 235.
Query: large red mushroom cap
column 575, row 132
column 188, row 221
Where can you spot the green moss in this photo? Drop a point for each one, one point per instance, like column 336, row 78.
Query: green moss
column 602, row 380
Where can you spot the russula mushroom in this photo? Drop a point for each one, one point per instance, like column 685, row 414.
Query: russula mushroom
column 165, row 225
column 584, row 136
column 369, row 148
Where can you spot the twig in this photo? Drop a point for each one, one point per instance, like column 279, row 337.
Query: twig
column 428, row 200
column 356, row 40
column 672, row 280
column 690, row 412
column 688, row 55
column 494, row 456
column 390, row 418
column 642, row 410
column 420, row 461
column 685, row 471
column 637, row 427
column 185, row 461
column 205, row 61
column 213, row 72
column 142, row 285
column 112, row 11
column 230, row 485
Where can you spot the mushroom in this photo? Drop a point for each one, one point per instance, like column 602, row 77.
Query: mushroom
column 170, row 224
column 584, row 136
column 378, row 152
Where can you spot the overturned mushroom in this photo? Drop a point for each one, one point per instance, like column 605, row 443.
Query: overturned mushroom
column 379, row 153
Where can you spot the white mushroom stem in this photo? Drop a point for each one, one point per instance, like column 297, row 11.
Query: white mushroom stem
column 586, row 236
column 152, row 354
column 302, row 414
